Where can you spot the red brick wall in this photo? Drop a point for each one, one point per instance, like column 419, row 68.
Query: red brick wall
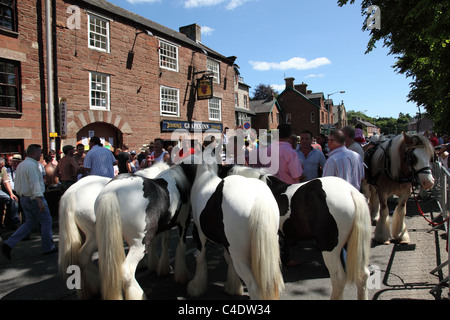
column 135, row 115
column 300, row 111
column 25, row 47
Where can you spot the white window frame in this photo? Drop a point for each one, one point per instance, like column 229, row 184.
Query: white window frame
column 212, row 107
column 100, row 18
column 163, row 46
column 288, row 118
column 107, row 91
column 213, row 66
column 174, row 100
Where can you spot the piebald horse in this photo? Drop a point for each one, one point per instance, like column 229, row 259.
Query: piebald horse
column 77, row 219
column 242, row 215
column 394, row 166
column 331, row 211
column 135, row 209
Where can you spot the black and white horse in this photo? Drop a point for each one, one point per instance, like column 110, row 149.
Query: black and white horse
column 333, row 212
column 77, row 219
column 135, row 209
column 241, row 214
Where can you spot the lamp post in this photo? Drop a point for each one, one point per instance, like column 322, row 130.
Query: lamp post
column 330, row 94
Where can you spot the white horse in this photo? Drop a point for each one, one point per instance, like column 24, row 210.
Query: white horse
column 77, row 219
column 394, row 166
column 135, row 209
column 331, row 211
column 241, row 214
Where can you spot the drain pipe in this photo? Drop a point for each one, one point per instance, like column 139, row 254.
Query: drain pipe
column 48, row 36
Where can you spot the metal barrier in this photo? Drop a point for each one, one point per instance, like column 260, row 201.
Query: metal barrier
column 440, row 193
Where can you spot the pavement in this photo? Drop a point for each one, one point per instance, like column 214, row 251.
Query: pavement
column 401, row 272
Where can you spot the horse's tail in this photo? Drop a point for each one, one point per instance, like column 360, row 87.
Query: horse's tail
column 358, row 246
column 69, row 235
column 111, row 252
column 265, row 250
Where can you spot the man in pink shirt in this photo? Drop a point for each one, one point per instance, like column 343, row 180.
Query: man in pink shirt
column 289, row 167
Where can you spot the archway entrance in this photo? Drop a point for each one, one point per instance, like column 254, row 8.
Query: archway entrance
column 108, row 134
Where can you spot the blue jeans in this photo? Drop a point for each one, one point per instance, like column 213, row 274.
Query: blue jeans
column 33, row 215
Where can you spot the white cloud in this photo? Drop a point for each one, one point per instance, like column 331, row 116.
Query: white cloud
column 233, row 4
column 296, row 63
column 201, row 3
column 278, row 87
column 229, row 4
column 143, row 1
column 207, row 31
column 320, row 75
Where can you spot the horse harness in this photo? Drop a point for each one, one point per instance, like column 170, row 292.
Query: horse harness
column 409, row 158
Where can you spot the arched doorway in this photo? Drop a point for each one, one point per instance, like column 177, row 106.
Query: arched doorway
column 108, row 133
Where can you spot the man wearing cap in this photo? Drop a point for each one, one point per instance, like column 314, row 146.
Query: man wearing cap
column 67, row 168
column 30, row 186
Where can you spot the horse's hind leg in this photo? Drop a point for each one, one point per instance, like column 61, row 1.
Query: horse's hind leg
column 164, row 265
column 152, row 255
column 233, row 286
column 399, row 231
column 362, row 285
column 181, row 271
column 198, row 286
column 132, row 289
column 90, row 279
column 337, row 274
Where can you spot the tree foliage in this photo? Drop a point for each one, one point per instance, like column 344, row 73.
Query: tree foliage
column 386, row 125
column 417, row 32
column 263, row 92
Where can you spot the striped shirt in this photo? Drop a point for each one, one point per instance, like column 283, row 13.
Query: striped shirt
column 100, row 161
column 345, row 164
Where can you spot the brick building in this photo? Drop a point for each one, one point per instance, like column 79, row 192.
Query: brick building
column 115, row 75
column 267, row 114
column 305, row 110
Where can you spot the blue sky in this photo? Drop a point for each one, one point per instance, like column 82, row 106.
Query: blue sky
column 314, row 41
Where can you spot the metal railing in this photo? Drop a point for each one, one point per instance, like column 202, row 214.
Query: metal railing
column 440, row 193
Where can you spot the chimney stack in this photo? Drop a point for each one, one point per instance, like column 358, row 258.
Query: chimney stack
column 289, row 82
column 302, row 88
column 192, row 31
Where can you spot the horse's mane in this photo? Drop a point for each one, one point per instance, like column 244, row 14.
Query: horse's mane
column 395, row 153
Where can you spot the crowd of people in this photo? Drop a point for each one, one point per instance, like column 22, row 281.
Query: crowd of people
column 300, row 159
column 441, row 145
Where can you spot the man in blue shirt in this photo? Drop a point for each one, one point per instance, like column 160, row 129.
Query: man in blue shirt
column 99, row 161
column 312, row 159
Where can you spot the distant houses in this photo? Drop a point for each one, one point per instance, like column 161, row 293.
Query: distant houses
column 304, row 110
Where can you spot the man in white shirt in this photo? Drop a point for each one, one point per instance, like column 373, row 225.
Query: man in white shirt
column 29, row 185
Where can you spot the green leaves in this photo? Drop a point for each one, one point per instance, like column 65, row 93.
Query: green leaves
column 418, row 33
